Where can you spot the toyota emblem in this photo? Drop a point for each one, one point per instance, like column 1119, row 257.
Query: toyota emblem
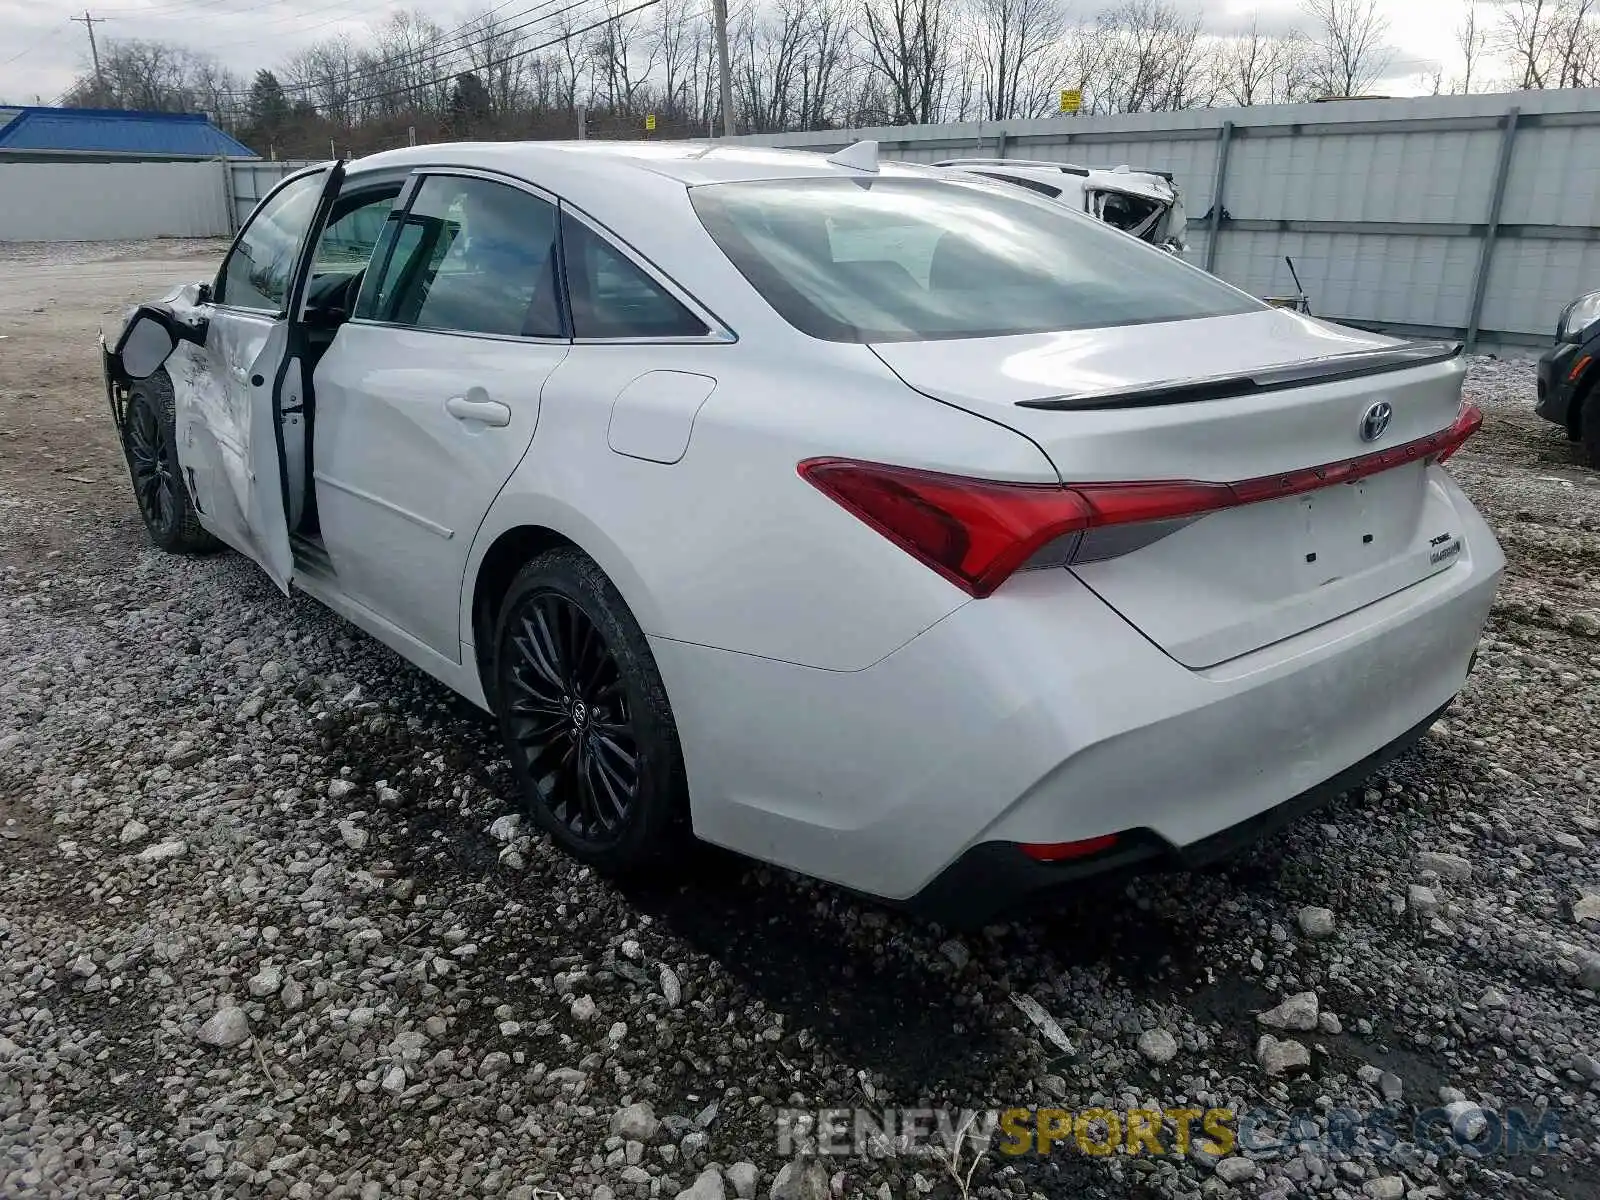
column 1375, row 420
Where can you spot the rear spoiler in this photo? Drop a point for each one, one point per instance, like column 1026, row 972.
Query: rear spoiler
column 1268, row 379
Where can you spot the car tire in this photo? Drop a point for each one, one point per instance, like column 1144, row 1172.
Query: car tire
column 585, row 717
column 150, row 444
column 1589, row 426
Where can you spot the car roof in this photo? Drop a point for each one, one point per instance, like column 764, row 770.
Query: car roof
column 687, row 163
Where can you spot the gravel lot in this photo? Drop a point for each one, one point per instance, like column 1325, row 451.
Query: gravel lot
column 262, row 934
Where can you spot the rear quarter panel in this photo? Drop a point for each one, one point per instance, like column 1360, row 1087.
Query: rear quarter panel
column 728, row 547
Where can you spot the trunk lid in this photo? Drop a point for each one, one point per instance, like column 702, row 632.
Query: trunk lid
column 1225, row 399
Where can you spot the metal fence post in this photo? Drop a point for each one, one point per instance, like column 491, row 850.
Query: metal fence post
column 1497, row 197
column 1000, row 140
column 228, row 197
column 1224, row 140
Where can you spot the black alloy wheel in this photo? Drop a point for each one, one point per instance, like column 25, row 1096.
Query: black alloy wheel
column 584, row 716
column 150, row 441
column 155, row 479
column 567, row 708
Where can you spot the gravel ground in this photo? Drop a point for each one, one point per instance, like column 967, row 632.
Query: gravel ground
column 264, row 932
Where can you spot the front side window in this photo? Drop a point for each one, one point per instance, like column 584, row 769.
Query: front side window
column 257, row 273
column 898, row 259
column 472, row 256
column 612, row 297
column 346, row 246
column 352, row 231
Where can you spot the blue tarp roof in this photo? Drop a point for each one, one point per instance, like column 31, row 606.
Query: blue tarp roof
column 119, row 131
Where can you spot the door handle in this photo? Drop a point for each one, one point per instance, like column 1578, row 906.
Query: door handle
column 487, row 412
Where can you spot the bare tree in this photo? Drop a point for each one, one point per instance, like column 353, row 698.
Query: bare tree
column 907, row 51
column 1152, row 58
column 494, row 46
column 824, row 71
column 1010, row 39
column 570, row 63
column 1551, row 43
column 1352, row 53
column 622, row 56
column 675, row 34
column 325, row 74
column 1470, row 36
column 1257, row 68
column 766, row 53
column 157, row 77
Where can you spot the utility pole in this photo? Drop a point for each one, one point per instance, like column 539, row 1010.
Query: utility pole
column 719, row 10
column 94, row 50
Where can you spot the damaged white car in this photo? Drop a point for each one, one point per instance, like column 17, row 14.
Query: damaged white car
column 873, row 520
column 1145, row 204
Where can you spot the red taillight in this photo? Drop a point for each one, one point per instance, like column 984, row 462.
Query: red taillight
column 974, row 532
column 1063, row 851
column 1467, row 423
column 978, row 532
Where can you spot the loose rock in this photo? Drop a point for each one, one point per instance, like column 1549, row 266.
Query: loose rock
column 1315, row 923
column 226, row 1027
column 1297, row 1012
column 1280, row 1057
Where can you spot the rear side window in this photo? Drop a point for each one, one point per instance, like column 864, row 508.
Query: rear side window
column 897, row 259
column 257, row 272
column 472, row 256
column 612, row 297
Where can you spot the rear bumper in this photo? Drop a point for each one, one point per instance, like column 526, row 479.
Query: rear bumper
column 993, row 878
column 1038, row 715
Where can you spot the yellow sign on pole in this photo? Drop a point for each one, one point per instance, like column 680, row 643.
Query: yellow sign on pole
column 1071, row 100
column 650, row 123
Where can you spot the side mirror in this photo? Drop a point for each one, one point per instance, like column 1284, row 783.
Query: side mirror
column 145, row 345
column 150, row 337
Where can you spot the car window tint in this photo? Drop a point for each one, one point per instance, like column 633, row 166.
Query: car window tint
column 473, row 256
column 612, row 298
column 257, row 272
column 348, row 240
column 901, row 259
column 346, row 245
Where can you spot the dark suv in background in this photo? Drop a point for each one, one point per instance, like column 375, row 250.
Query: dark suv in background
column 1568, row 372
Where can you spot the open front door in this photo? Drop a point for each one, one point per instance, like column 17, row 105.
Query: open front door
column 240, row 398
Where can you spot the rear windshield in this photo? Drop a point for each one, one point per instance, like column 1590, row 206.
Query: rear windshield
column 899, row 260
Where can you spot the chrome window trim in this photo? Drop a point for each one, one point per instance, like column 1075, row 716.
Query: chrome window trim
column 401, row 327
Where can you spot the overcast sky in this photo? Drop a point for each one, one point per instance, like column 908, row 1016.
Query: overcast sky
column 41, row 50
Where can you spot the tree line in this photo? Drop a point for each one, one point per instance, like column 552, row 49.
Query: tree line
column 808, row 64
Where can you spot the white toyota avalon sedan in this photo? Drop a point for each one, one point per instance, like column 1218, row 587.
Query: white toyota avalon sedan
column 899, row 527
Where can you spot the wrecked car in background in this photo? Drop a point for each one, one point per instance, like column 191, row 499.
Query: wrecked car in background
column 1146, row 204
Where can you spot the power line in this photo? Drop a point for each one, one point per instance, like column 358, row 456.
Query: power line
column 296, row 18
column 444, row 49
column 436, row 54
column 30, row 48
column 522, row 53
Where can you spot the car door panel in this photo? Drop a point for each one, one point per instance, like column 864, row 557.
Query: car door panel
column 402, row 481
column 222, row 427
column 428, row 400
column 229, row 395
